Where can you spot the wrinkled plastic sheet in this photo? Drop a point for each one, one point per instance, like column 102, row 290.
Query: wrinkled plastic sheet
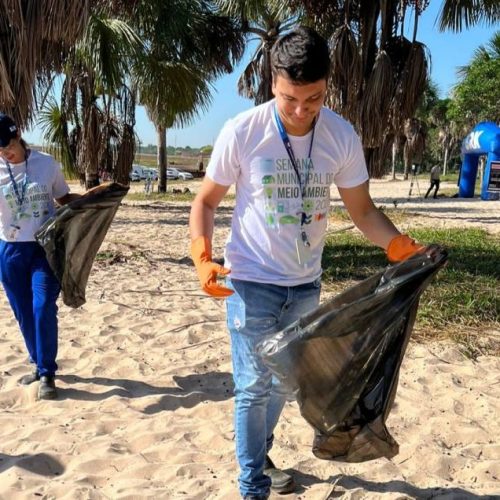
column 72, row 237
column 342, row 360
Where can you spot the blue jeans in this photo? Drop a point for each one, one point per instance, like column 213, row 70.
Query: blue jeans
column 32, row 290
column 254, row 311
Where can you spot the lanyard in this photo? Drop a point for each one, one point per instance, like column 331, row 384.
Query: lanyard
column 293, row 161
column 19, row 197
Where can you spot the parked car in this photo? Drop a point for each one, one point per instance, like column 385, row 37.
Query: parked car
column 172, row 174
column 135, row 176
column 139, row 170
column 181, row 174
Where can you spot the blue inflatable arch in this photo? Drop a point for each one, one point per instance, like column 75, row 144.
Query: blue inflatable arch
column 484, row 139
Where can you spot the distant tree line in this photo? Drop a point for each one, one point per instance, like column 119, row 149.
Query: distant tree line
column 172, row 151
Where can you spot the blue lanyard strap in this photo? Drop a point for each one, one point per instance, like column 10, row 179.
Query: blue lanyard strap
column 22, row 196
column 293, row 161
column 289, row 150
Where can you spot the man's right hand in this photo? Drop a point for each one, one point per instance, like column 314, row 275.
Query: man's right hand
column 201, row 252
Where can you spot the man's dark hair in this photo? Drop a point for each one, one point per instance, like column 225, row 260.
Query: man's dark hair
column 301, row 56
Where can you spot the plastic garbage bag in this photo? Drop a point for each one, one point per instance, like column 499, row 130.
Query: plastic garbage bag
column 72, row 237
column 342, row 360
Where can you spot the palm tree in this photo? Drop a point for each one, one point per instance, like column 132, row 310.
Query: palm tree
column 378, row 76
column 448, row 130
column 94, row 125
column 264, row 21
column 187, row 45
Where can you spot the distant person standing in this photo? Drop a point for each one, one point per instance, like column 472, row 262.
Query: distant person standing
column 200, row 163
column 435, row 175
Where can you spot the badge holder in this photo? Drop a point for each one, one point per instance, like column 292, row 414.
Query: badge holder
column 303, row 248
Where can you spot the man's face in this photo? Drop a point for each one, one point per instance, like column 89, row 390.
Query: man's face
column 298, row 105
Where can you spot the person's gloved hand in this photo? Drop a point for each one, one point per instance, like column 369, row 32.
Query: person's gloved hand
column 201, row 252
column 402, row 247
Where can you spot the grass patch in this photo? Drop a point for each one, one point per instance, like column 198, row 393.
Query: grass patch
column 463, row 298
column 396, row 214
column 169, row 196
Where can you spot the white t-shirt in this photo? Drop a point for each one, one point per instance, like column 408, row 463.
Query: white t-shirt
column 250, row 153
column 45, row 182
column 435, row 172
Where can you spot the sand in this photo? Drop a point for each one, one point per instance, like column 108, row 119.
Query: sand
column 145, row 405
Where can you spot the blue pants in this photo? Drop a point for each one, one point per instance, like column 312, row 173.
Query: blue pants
column 32, row 290
column 254, row 311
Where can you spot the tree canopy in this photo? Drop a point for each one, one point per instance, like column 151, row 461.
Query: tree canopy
column 476, row 97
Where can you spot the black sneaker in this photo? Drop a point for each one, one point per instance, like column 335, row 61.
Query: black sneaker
column 281, row 482
column 47, row 388
column 30, row 378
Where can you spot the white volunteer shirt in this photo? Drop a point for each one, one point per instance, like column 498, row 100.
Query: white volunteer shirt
column 249, row 152
column 45, row 182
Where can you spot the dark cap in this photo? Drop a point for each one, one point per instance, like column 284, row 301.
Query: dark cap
column 8, row 130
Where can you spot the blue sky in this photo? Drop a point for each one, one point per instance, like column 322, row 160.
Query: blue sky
column 448, row 51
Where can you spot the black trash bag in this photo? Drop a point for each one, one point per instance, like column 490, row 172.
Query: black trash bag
column 342, row 360
column 72, row 237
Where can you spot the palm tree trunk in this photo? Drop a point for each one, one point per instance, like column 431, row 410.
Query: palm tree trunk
column 161, row 133
column 394, row 154
column 407, row 159
column 267, row 78
column 445, row 162
column 89, row 147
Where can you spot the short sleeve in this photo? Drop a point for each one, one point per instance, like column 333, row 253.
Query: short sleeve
column 353, row 171
column 224, row 165
column 60, row 187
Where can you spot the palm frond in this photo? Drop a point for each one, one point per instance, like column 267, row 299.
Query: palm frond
column 411, row 84
column 38, row 38
column 457, row 15
column 247, row 82
column 173, row 93
column 377, row 101
column 106, row 49
column 54, row 126
column 345, row 74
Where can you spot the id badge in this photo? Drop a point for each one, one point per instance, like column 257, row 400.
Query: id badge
column 304, row 253
column 13, row 232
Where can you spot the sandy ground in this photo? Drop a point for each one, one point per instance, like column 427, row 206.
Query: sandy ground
column 145, row 406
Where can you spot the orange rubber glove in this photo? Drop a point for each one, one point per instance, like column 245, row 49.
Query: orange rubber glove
column 402, row 247
column 201, row 252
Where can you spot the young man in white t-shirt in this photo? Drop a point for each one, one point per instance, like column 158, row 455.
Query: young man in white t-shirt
column 283, row 157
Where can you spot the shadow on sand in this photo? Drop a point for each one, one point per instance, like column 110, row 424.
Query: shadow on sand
column 190, row 390
column 41, row 464
column 344, row 484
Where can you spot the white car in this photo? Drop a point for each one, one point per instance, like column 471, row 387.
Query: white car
column 181, row 174
column 172, row 173
column 135, row 176
column 139, row 170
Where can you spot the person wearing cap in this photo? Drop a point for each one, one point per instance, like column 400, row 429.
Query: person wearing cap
column 30, row 181
column 283, row 156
